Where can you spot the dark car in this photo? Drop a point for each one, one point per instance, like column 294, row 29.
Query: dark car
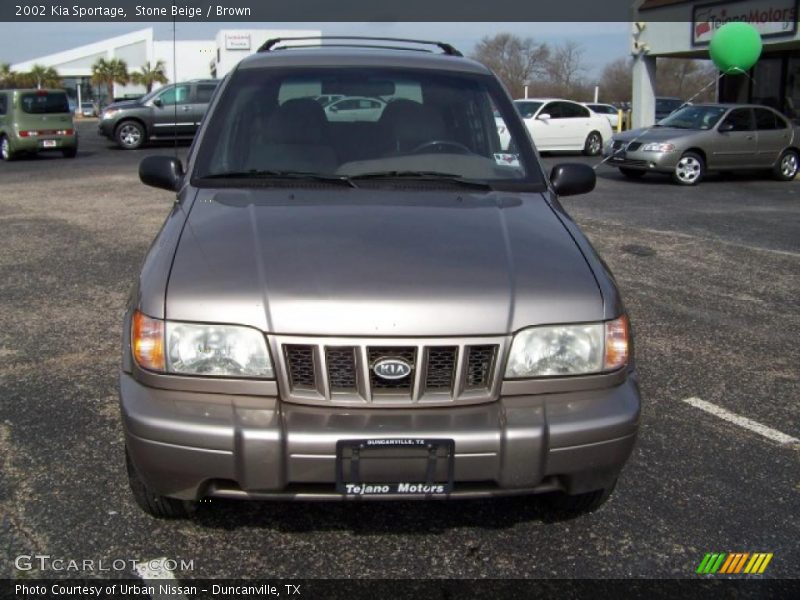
column 170, row 112
column 373, row 309
column 666, row 106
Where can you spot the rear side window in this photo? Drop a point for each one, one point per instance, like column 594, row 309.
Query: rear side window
column 569, row 110
column 38, row 103
column 766, row 119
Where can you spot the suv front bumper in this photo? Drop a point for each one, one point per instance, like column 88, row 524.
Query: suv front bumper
column 192, row 445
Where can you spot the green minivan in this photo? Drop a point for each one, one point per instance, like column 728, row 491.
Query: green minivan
column 35, row 120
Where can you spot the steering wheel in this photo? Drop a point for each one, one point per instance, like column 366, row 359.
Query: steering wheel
column 462, row 149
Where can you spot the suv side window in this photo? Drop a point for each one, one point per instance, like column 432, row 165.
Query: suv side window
column 741, row 119
column 205, row 91
column 3, row 103
column 176, row 95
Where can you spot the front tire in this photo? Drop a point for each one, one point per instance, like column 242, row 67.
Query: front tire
column 593, row 145
column 152, row 503
column 5, row 149
column 129, row 135
column 632, row 173
column 690, row 169
column 787, row 166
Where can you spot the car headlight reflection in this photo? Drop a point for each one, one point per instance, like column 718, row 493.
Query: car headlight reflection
column 200, row 349
column 657, row 147
column 562, row 350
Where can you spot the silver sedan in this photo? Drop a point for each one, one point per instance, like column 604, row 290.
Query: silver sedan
column 709, row 137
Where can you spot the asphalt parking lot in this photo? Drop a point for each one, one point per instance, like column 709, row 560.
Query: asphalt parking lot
column 711, row 278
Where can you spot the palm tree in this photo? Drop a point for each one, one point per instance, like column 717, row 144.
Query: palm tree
column 6, row 76
column 108, row 72
column 44, row 76
column 147, row 75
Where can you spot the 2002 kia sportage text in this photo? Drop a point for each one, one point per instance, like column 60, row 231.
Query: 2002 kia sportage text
column 387, row 307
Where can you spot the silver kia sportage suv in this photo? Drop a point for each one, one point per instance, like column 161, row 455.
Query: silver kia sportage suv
column 377, row 305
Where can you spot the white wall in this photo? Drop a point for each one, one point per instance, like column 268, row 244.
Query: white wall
column 249, row 40
column 193, row 58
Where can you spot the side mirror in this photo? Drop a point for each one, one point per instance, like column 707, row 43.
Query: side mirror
column 725, row 127
column 157, row 102
column 544, row 117
column 570, row 179
column 164, row 172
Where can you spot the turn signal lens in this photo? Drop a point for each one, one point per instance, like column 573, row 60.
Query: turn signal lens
column 147, row 341
column 617, row 343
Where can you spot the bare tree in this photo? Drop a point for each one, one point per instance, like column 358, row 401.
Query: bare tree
column 616, row 82
column 565, row 69
column 515, row 60
column 683, row 78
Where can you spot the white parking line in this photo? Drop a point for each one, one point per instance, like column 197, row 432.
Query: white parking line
column 749, row 424
column 153, row 572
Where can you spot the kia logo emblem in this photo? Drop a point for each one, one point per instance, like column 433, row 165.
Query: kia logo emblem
column 391, row 368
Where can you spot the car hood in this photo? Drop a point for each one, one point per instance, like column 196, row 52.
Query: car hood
column 378, row 262
column 123, row 104
column 655, row 134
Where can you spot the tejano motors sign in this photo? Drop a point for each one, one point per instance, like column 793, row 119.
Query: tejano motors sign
column 769, row 17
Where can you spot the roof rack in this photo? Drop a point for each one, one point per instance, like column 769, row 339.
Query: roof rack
column 270, row 45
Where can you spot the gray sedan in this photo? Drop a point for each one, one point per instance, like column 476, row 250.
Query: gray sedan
column 709, row 137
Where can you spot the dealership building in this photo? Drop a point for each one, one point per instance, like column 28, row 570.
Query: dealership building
column 683, row 29
column 186, row 59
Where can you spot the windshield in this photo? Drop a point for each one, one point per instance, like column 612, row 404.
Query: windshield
column 380, row 123
column 694, row 117
column 37, row 103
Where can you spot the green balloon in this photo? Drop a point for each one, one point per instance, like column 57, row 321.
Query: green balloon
column 735, row 47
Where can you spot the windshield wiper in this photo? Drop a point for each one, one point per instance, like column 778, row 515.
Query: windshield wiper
column 424, row 176
column 268, row 174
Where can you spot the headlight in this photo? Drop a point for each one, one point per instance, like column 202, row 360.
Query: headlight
column 107, row 114
column 198, row 349
column 655, row 147
column 560, row 350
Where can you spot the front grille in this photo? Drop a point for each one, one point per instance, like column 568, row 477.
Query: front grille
column 379, row 384
column 618, row 144
column 341, row 371
column 300, row 360
column 480, row 360
column 441, row 369
column 633, row 146
column 341, row 362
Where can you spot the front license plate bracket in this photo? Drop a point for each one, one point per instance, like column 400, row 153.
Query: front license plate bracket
column 438, row 456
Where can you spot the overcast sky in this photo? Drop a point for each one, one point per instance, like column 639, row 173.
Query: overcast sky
column 603, row 42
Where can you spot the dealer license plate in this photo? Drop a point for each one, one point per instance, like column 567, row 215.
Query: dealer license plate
column 49, row 143
column 383, row 466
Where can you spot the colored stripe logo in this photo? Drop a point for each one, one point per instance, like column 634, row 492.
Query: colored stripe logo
column 734, row 563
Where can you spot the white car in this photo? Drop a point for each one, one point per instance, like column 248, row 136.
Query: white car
column 355, row 109
column 556, row 124
column 607, row 110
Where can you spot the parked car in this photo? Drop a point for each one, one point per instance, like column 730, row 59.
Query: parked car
column 556, row 124
column 609, row 111
column 33, row 121
column 709, row 137
column 371, row 309
column 355, row 109
column 170, row 112
column 88, row 109
column 665, row 106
